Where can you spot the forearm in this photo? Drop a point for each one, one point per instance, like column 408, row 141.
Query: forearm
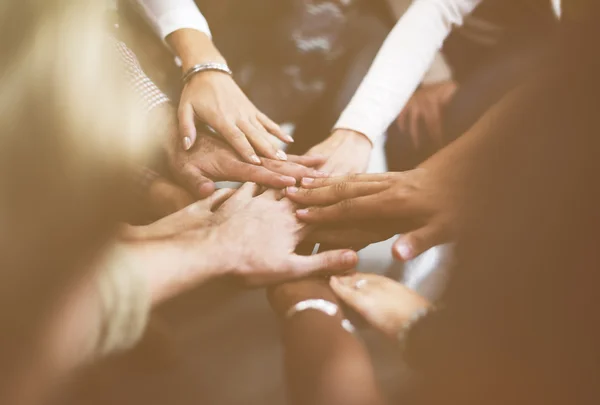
column 401, row 64
column 193, row 47
column 325, row 364
column 481, row 141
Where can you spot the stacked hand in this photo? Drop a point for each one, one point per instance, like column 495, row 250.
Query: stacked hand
column 385, row 304
column 345, row 151
column 377, row 206
column 215, row 99
column 246, row 234
column 212, row 159
column 423, row 115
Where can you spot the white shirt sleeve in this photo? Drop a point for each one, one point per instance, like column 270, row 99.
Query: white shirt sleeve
column 401, row 64
column 168, row 16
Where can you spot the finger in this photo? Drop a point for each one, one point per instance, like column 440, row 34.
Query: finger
column 414, row 121
column 434, row 125
column 326, row 263
column 273, row 128
column 354, row 298
column 401, row 120
column 187, row 125
column 414, row 243
column 259, row 174
column 351, row 209
column 362, row 177
column 238, row 141
column 218, row 198
column 258, row 139
column 197, row 183
column 273, row 194
column 334, row 193
column 292, row 169
column 308, row 160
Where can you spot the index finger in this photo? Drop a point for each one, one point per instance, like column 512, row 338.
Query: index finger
column 353, row 178
column 238, row 141
column 332, row 194
column 365, row 207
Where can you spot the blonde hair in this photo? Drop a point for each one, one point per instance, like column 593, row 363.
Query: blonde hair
column 68, row 131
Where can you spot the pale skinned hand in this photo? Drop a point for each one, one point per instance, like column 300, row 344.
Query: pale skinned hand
column 241, row 233
column 346, row 151
column 260, row 235
column 384, row 303
column 423, row 114
column 216, row 100
column 416, row 203
column 212, row 159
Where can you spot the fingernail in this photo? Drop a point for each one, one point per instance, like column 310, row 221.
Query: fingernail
column 405, row 251
column 322, row 174
column 255, row 159
column 348, row 257
column 292, row 190
column 288, row 180
column 302, row 212
column 281, row 155
column 289, row 139
column 307, row 180
column 187, row 143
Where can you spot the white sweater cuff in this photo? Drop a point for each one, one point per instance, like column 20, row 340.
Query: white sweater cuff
column 356, row 120
column 179, row 19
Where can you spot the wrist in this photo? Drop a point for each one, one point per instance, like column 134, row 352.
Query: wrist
column 351, row 135
column 194, row 47
column 170, row 265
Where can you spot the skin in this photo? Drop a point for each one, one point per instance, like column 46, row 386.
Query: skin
column 330, row 367
column 213, row 159
column 423, row 115
column 384, row 303
column 214, row 98
column 337, row 150
column 424, row 203
column 227, row 234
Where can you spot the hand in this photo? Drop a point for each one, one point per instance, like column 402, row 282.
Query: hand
column 419, row 202
column 211, row 159
column 215, row 99
column 426, row 107
column 165, row 198
column 347, row 152
column 384, row 303
column 260, row 235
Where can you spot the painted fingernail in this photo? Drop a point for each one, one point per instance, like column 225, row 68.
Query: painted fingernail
column 302, row 212
column 187, row 143
column 255, row 159
column 292, row 190
column 307, row 180
column 405, row 251
column 289, row 138
column 281, row 155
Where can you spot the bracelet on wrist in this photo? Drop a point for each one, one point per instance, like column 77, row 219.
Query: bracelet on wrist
column 327, row 307
column 203, row 67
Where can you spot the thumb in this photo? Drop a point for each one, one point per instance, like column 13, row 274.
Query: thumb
column 414, row 243
column 187, row 126
column 197, row 183
column 333, row 261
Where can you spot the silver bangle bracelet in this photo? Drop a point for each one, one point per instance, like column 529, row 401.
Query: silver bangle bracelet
column 203, row 67
column 324, row 306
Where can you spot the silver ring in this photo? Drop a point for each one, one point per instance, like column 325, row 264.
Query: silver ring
column 360, row 284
